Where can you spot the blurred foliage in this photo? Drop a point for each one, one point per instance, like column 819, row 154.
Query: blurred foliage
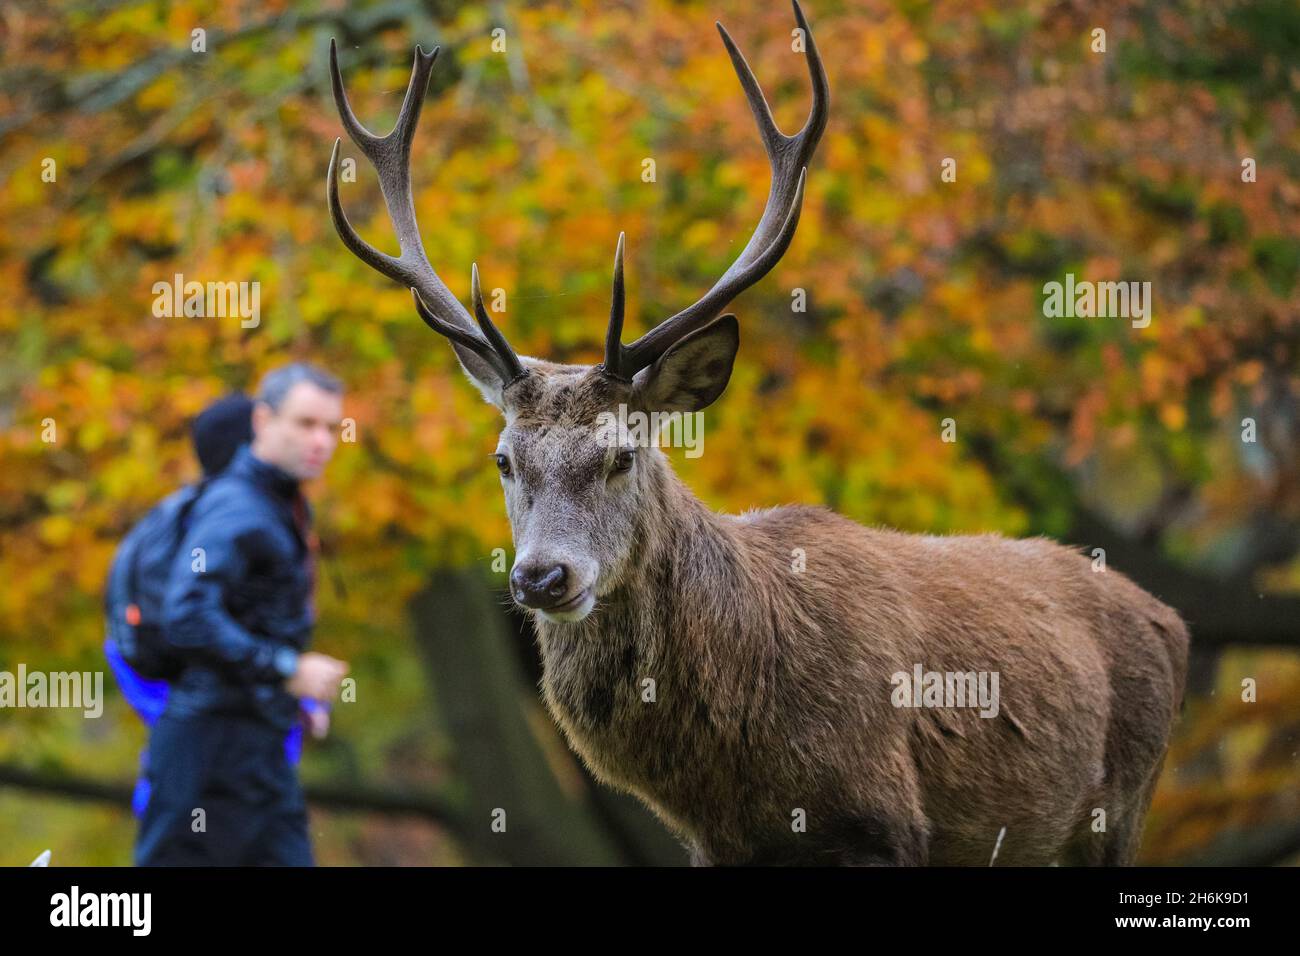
column 924, row 296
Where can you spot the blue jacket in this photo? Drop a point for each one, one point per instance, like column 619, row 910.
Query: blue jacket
column 239, row 605
column 148, row 698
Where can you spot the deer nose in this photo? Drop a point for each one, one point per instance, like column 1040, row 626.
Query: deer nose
column 539, row 585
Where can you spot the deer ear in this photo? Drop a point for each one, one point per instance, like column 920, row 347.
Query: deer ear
column 483, row 376
column 693, row 372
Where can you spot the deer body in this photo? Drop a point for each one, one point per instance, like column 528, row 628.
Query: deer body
column 751, row 702
column 772, row 691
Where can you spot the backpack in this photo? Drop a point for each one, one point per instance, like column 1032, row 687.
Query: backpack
column 137, row 585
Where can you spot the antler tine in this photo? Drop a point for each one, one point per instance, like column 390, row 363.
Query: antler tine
column 408, row 117
column 382, row 261
column 614, row 336
column 511, row 365
column 788, row 156
column 815, row 125
column 457, row 334
column 391, row 157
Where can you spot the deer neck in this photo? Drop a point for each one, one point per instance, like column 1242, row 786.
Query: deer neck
column 654, row 682
column 685, row 588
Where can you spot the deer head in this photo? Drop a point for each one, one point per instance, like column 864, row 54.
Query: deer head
column 578, row 497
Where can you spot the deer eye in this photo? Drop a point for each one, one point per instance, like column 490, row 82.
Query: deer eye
column 503, row 465
column 623, row 461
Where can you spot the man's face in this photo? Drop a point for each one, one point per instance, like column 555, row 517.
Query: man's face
column 300, row 436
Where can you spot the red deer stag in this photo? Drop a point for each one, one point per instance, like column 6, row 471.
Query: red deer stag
column 761, row 705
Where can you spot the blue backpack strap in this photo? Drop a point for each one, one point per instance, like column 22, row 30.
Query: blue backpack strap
column 146, row 697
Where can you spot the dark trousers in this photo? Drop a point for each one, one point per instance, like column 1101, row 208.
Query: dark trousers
column 234, row 770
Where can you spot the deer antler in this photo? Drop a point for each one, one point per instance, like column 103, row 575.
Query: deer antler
column 788, row 156
column 391, row 157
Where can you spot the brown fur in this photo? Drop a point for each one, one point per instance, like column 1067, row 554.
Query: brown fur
column 773, row 695
column 772, row 685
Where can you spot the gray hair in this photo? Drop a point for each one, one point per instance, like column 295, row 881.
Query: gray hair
column 278, row 382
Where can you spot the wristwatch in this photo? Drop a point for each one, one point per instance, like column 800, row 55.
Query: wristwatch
column 285, row 661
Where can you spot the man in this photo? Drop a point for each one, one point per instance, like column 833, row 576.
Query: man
column 217, row 433
column 239, row 612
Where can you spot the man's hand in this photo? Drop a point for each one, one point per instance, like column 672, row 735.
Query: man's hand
column 318, row 722
column 318, row 676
